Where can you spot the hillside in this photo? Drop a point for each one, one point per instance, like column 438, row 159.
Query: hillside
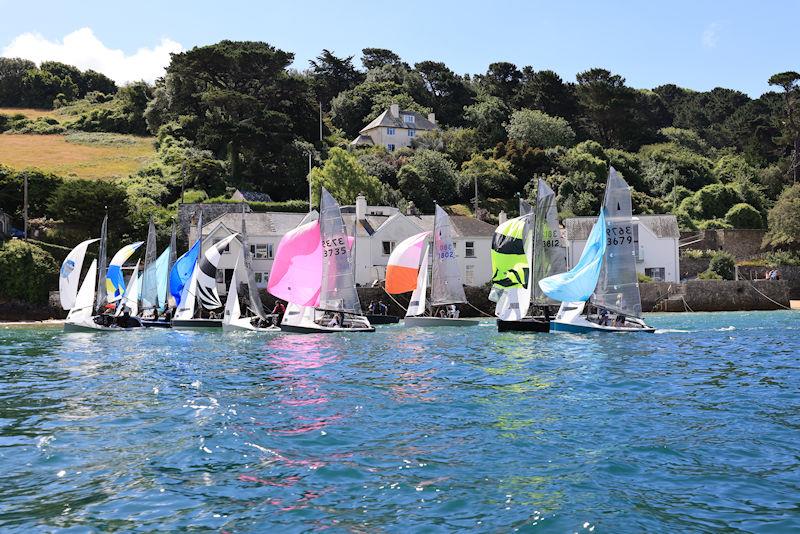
column 79, row 154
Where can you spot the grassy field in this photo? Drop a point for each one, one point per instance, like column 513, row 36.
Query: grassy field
column 80, row 155
column 29, row 113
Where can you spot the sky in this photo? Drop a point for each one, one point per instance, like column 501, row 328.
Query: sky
column 699, row 44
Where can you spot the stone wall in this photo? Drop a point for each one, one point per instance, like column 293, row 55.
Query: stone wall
column 691, row 267
column 716, row 295
column 789, row 273
column 739, row 242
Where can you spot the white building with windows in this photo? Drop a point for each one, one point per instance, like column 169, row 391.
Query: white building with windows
column 395, row 128
column 378, row 230
column 655, row 239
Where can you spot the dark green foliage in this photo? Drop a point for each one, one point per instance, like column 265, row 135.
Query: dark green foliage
column 83, row 203
column 487, row 115
column 29, row 272
column 12, row 71
column 546, row 91
column 744, row 215
column 123, row 114
column 723, row 264
column 332, row 75
column 784, row 220
column 41, row 186
column 493, row 176
column 447, row 93
column 428, row 176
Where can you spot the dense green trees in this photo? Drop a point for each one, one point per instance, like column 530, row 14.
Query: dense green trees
column 784, row 220
column 345, row 178
column 538, row 129
column 50, row 85
column 28, row 272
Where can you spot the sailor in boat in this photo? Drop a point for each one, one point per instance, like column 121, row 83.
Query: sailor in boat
column 336, row 320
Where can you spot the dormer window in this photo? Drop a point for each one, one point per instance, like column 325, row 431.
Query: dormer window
column 408, row 119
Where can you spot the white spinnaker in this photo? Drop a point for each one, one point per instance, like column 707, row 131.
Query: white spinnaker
column 207, row 274
column 232, row 309
column 186, row 307
column 69, row 276
column 84, row 302
column 417, row 304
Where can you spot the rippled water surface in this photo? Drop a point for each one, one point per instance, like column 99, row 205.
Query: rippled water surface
column 695, row 428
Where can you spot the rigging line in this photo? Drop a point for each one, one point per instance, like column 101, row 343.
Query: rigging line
column 479, row 310
column 394, row 300
column 766, row 297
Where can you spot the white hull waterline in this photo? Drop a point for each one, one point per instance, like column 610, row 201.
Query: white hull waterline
column 570, row 318
column 424, row 321
column 244, row 324
column 307, row 320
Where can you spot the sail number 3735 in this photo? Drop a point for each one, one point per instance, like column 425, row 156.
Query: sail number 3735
column 333, row 247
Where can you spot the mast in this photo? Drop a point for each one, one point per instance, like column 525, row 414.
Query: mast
column 102, row 259
column 531, row 281
column 433, row 246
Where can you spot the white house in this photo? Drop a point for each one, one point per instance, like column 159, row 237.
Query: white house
column 655, row 240
column 395, row 128
column 378, row 230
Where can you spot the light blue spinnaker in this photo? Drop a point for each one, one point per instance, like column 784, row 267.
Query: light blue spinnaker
column 182, row 271
column 161, row 269
column 578, row 284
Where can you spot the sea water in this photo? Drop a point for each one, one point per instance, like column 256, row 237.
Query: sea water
column 694, row 428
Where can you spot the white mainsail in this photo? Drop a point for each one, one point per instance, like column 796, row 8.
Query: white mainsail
column 130, row 299
column 186, row 307
column 447, row 287
column 70, row 274
column 338, row 290
column 417, row 304
column 83, row 306
column 232, row 309
column 149, row 292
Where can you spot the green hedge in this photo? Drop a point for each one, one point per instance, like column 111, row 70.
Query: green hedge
column 290, row 206
column 28, row 272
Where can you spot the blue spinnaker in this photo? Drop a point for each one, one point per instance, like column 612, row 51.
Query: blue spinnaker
column 161, row 267
column 578, row 284
column 182, row 271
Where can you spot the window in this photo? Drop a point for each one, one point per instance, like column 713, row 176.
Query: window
column 408, row 119
column 257, row 277
column 220, row 276
column 261, row 251
column 656, row 273
column 412, row 133
column 227, row 248
column 469, row 275
column 390, row 146
column 388, row 247
column 389, row 131
column 470, row 249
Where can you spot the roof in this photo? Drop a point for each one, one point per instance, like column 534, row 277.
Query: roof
column 663, row 226
column 386, row 118
column 254, row 196
column 269, row 223
column 462, row 225
column 362, row 140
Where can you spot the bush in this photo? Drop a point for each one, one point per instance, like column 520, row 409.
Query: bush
column 493, row 175
column 709, row 275
column 84, row 202
column 743, row 216
column 643, row 278
column 538, row 129
column 28, row 272
column 723, row 264
column 784, row 220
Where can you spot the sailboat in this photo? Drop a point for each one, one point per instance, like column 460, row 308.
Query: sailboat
column 407, row 270
column 313, row 272
column 84, row 303
column 201, row 286
column 601, row 292
column 155, row 277
column 525, row 250
column 243, row 273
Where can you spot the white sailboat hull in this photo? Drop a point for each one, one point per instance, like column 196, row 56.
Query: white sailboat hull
column 243, row 324
column 88, row 325
column 570, row 319
column 196, row 324
column 424, row 322
column 304, row 320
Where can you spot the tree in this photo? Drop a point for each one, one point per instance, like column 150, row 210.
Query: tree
column 345, row 178
column 790, row 83
column 707, row 112
column 448, row 94
column 743, row 215
column 605, row 101
column 83, row 203
column 784, row 220
column 546, row 91
column 40, row 88
column 487, row 116
column 539, row 129
column 502, row 80
column 493, row 175
column 41, row 186
column 96, row 81
column 12, row 71
column 724, row 264
column 28, row 272
column 373, row 58
column 332, row 75
column 428, row 176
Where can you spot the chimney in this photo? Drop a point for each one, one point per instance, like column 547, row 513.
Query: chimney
column 361, row 207
column 410, row 208
column 503, row 217
column 394, row 109
column 432, row 117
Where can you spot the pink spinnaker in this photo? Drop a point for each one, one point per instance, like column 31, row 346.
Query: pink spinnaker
column 296, row 274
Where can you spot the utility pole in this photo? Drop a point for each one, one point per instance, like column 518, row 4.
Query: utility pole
column 476, row 196
column 183, row 179
column 320, row 122
column 309, row 181
column 25, row 208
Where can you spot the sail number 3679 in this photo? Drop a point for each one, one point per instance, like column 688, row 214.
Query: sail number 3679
column 619, row 235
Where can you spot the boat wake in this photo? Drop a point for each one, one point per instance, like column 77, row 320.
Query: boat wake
column 671, row 331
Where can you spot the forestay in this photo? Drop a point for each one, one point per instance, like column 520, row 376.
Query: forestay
column 549, row 254
column 338, row 290
column 446, row 277
column 618, row 286
column 69, row 275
